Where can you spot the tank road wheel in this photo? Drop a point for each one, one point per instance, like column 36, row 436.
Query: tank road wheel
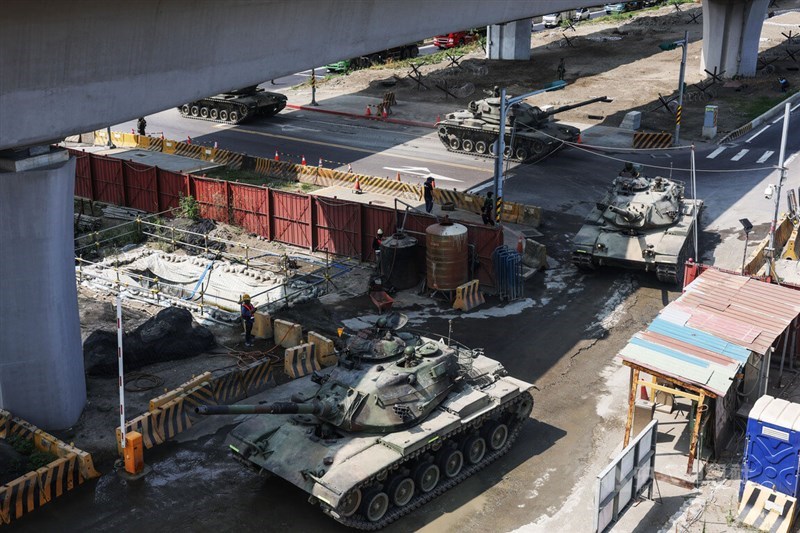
column 185, row 109
column 451, row 462
column 480, row 147
column 521, row 154
column 233, row 117
column 194, row 111
column 507, row 151
column 427, row 477
column 401, row 490
column 350, row 503
column 524, row 407
column 375, row 505
column 223, row 115
column 214, row 113
column 467, row 145
column 455, row 144
column 537, row 147
column 204, row 112
column 474, row 449
column 496, row 436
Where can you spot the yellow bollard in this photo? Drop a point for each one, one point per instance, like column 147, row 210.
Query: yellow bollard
column 133, row 453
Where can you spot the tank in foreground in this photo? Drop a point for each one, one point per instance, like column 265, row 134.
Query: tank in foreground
column 400, row 420
column 641, row 223
column 235, row 106
column 529, row 132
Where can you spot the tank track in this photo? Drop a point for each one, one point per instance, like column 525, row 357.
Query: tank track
column 242, row 118
column 394, row 513
column 468, row 132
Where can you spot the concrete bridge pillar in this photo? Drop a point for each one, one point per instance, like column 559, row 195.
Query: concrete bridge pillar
column 511, row 40
column 731, row 31
column 41, row 358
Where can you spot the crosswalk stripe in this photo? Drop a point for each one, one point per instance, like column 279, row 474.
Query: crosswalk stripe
column 715, row 153
column 739, row 155
column 766, row 156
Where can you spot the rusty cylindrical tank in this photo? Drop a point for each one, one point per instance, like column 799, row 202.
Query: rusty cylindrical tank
column 398, row 266
column 446, row 255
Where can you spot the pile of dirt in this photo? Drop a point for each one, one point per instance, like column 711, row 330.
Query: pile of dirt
column 169, row 335
column 620, row 59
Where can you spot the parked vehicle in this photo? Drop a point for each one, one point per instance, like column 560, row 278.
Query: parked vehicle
column 621, row 7
column 582, row 13
column 456, row 38
column 552, row 20
column 376, row 58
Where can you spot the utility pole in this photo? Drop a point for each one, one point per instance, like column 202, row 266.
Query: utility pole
column 500, row 145
column 777, row 193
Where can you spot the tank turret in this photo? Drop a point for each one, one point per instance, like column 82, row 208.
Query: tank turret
column 643, row 223
column 475, row 129
column 372, row 437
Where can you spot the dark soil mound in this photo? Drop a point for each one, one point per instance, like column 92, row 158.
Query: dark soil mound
column 169, row 335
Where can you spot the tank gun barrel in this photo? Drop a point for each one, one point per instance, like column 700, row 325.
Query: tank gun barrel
column 573, row 106
column 314, row 407
column 624, row 213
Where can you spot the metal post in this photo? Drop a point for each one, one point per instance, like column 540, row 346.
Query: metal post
column 782, row 165
column 498, row 161
column 744, row 254
column 121, row 378
column 685, row 45
column 694, row 197
column 313, row 87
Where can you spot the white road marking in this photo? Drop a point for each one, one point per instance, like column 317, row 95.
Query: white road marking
column 791, row 158
column 766, row 156
column 716, row 152
column 421, row 171
column 739, row 155
column 298, row 128
column 759, row 132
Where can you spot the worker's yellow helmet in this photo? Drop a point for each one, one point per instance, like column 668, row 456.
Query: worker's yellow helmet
column 245, row 297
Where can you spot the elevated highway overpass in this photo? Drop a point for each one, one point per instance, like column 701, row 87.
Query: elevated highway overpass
column 69, row 67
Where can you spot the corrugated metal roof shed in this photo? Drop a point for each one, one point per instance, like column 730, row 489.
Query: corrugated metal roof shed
column 705, row 336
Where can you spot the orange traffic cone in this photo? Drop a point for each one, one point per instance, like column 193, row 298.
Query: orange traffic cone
column 357, row 187
column 398, row 176
column 277, row 156
column 303, row 161
column 438, row 118
column 368, row 112
column 580, row 140
column 188, row 140
column 385, row 113
column 645, row 396
column 520, row 246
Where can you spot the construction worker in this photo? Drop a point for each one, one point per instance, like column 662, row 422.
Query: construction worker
column 488, row 209
column 784, row 84
column 248, row 318
column 429, row 186
column 376, row 247
column 141, row 124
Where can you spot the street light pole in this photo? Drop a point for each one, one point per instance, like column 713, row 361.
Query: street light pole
column 685, row 45
column 500, row 145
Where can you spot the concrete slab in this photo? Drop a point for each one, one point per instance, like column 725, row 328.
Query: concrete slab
column 171, row 162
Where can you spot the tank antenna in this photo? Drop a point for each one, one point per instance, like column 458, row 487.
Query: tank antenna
column 449, row 330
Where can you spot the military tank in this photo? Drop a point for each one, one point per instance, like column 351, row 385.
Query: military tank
column 529, row 132
column 398, row 421
column 235, row 106
column 642, row 223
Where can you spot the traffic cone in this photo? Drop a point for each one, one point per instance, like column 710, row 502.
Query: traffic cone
column 368, row 112
column 188, row 140
column 520, row 246
column 385, row 113
column 398, row 176
column 438, row 118
column 357, row 187
column 320, row 162
column 277, row 156
column 645, row 396
column 303, row 161
column 349, row 168
column 580, row 140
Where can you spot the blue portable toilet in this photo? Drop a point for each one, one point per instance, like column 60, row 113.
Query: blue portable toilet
column 772, row 447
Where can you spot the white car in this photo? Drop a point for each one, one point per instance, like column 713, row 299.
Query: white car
column 582, row 13
column 552, row 20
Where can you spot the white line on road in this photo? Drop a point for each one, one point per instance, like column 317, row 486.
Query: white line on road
column 763, row 158
column 781, row 115
column 756, row 134
column 739, row 155
column 712, row 155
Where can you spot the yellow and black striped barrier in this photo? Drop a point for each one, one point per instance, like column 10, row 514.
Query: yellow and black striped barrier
column 647, row 140
column 790, row 249
column 38, row 487
column 766, row 509
column 189, row 150
column 300, row 361
column 468, row 296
